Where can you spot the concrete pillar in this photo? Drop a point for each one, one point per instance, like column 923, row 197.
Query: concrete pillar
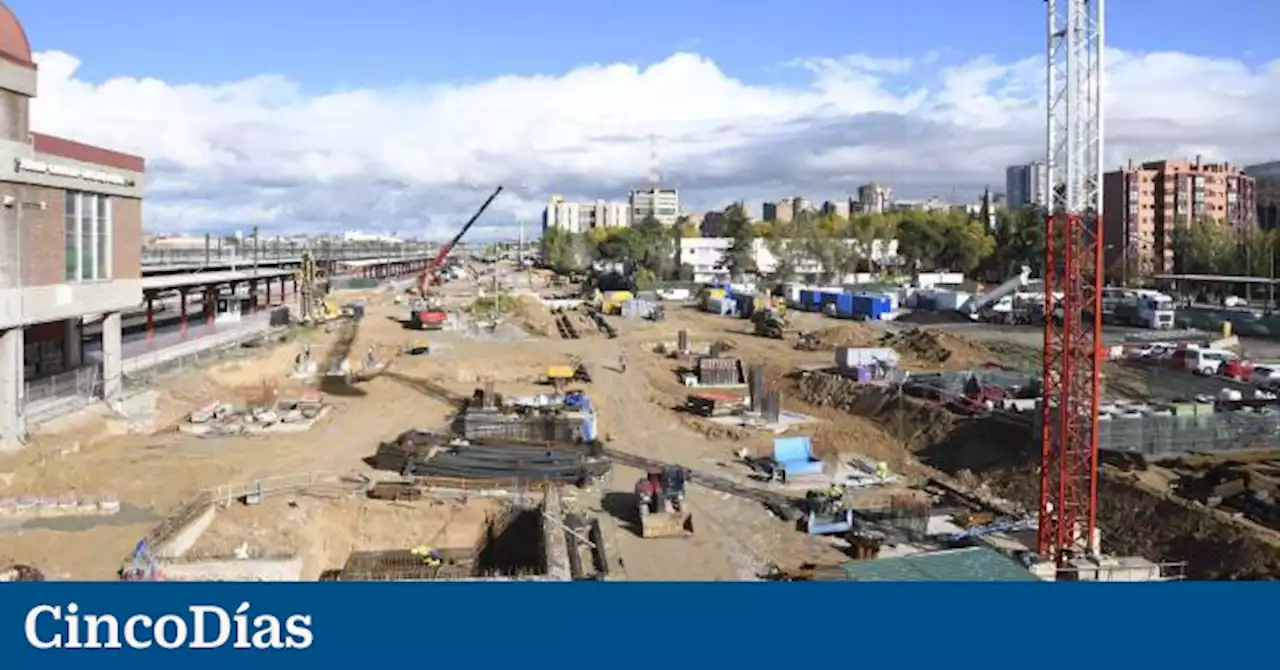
column 112, row 357
column 73, row 343
column 13, row 382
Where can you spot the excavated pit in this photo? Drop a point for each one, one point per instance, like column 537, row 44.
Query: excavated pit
column 999, row 453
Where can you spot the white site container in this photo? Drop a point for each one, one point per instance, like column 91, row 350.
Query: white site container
column 848, row 358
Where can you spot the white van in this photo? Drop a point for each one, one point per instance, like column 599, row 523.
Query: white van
column 1202, row 361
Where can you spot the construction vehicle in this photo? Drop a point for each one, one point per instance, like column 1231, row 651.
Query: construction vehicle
column 826, row 512
column 560, row 376
column 1142, row 308
column 998, row 303
column 426, row 312
column 660, row 498
column 771, row 323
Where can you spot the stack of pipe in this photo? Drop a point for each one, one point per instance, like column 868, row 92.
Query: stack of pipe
column 508, row 461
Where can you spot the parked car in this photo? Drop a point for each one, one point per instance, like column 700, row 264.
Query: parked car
column 1266, row 376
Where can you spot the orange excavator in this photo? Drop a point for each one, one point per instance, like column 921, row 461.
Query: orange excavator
column 426, row 312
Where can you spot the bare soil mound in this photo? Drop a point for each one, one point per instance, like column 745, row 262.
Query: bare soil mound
column 919, row 348
column 533, row 317
column 1137, row 523
column 846, row 335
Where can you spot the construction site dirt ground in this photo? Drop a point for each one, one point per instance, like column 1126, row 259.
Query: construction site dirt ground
column 735, row 539
column 325, row 529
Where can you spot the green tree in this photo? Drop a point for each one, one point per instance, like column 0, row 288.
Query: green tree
column 739, row 260
column 1205, row 247
column 557, row 250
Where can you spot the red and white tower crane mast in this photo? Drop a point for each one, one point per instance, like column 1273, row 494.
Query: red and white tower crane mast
column 1072, row 279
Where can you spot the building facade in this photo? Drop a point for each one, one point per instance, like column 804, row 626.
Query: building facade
column 579, row 217
column 70, row 247
column 778, row 212
column 1266, row 182
column 840, row 208
column 1143, row 204
column 1025, row 185
column 874, row 199
column 662, row 204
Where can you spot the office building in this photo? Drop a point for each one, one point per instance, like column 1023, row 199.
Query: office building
column 662, row 204
column 1025, row 185
column 70, row 247
column 1143, row 204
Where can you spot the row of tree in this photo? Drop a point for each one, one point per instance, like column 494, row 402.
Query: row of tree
column 926, row 240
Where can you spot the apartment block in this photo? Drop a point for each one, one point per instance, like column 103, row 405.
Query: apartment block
column 70, row 248
column 1025, row 185
column 874, row 198
column 778, row 212
column 579, row 217
column 1143, row 204
column 840, row 208
column 662, row 204
column 786, row 210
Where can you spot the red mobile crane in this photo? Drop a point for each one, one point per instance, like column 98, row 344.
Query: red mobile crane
column 427, row 312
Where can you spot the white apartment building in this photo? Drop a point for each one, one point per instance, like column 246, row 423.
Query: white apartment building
column 706, row 255
column 579, row 217
column 661, row 203
column 1025, row 185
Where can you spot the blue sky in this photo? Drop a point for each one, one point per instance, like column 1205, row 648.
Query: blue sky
column 401, row 114
column 328, row 44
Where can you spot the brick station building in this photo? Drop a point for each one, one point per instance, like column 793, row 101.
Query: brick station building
column 70, row 248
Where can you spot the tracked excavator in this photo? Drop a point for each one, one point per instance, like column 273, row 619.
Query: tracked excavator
column 426, row 312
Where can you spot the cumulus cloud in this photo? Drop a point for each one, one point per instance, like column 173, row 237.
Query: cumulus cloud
column 418, row 160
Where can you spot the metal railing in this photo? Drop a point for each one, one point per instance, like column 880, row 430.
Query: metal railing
column 84, row 382
column 272, row 252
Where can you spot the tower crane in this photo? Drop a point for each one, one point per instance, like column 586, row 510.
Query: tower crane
column 426, row 312
column 1073, row 279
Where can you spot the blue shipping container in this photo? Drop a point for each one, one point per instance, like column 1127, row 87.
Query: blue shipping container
column 879, row 306
column 861, row 305
column 846, row 305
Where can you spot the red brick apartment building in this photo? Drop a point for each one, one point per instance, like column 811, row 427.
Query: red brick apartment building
column 1143, row 204
column 70, row 246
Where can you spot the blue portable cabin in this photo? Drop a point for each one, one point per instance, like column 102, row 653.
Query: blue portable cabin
column 810, row 300
column 878, row 305
column 828, row 297
column 846, row 305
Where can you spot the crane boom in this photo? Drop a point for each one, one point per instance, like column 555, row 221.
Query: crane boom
column 429, row 272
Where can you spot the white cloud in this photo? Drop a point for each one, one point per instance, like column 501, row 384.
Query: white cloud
column 417, row 160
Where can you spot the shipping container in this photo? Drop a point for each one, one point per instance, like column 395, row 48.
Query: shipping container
column 849, row 358
column 846, row 305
